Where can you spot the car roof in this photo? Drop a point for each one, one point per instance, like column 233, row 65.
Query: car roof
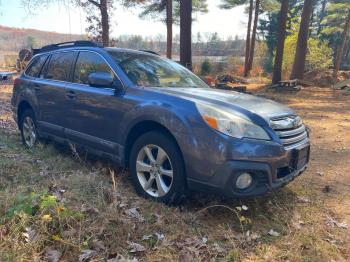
column 87, row 45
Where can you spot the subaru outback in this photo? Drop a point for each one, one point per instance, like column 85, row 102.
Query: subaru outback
column 150, row 114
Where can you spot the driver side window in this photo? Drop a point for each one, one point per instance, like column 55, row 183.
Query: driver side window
column 88, row 63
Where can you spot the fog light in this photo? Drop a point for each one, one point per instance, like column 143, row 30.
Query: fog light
column 244, row 181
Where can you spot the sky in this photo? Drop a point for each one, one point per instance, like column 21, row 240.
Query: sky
column 60, row 18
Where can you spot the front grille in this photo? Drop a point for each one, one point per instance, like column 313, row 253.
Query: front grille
column 290, row 130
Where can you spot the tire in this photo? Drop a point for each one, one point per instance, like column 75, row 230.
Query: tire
column 28, row 128
column 162, row 179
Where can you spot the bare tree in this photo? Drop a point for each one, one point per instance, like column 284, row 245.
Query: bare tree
column 103, row 6
column 277, row 69
column 301, row 49
column 186, row 33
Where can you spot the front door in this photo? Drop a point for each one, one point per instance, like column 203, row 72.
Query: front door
column 93, row 113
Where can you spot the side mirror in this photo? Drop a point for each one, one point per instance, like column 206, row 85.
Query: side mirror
column 100, row 79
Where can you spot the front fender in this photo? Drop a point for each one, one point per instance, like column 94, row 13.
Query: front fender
column 173, row 119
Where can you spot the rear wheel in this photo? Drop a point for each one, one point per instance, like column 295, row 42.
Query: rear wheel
column 28, row 128
column 157, row 169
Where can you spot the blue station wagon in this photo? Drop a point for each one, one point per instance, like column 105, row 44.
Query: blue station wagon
column 150, row 114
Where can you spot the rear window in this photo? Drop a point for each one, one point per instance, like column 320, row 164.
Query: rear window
column 35, row 67
column 60, row 66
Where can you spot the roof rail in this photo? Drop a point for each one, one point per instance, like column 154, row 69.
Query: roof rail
column 80, row 43
column 151, row 52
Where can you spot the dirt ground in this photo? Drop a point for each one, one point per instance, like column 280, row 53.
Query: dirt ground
column 57, row 204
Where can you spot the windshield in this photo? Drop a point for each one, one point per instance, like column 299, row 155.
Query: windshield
column 152, row 71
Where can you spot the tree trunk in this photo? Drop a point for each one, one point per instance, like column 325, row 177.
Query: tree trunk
column 247, row 41
column 322, row 15
column 311, row 22
column 169, row 24
column 341, row 47
column 277, row 69
column 104, row 22
column 347, row 53
column 252, row 44
column 301, row 49
column 186, row 33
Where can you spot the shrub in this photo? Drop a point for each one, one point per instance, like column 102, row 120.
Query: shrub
column 319, row 54
column 206, row 67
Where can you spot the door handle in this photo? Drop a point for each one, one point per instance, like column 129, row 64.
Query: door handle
column 71, row 94
column 36, row 87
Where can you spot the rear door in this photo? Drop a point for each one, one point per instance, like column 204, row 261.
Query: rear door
column 32, row 81
column 50, row 88
column 94, row 113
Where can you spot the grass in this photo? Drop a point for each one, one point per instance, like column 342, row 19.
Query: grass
column 54, row 204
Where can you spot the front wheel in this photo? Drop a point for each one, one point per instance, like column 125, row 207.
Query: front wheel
column 157, row 169
column 28, row 129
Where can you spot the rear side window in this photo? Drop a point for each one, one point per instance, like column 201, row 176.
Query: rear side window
column 60, row 66
column 35, row 67
column 88, row 63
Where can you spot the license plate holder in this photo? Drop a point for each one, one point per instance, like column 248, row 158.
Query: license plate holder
column 301, row 157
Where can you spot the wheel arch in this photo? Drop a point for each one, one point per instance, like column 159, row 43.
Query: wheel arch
column 22, row 107
column 142, row 128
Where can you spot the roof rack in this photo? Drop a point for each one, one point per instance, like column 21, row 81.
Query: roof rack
column 80, row 43
column 151, row 52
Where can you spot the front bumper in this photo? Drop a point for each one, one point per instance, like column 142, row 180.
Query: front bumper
column 267, row 175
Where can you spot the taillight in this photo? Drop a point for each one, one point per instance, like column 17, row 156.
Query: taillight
column 15, row 81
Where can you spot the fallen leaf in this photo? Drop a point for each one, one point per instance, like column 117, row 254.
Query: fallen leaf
column 332, row 222
column 216, row 248
column 53, row 255
column 332, row 241
column 160, row 236
column 30, row 235
column 135, row 247
column 86, row 254
column 298, row 224
column 3, row 231
column 255, row 236
column 186, row 256
column 133, row 213
column 147, row 237
column 194, row 246
column 273, row 233
column 302, row 199
column 98, row 245
column 69, row 233
column 89, row 210
column 122, row 205
column 121, row 258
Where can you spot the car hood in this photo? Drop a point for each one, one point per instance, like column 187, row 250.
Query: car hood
column 231, row 100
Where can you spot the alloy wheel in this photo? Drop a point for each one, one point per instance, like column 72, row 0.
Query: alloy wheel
column 29, row 131
column 154, row 170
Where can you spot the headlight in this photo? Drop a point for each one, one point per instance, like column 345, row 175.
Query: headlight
column 231, row 124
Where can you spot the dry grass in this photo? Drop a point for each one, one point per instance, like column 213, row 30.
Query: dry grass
column 55, row 204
